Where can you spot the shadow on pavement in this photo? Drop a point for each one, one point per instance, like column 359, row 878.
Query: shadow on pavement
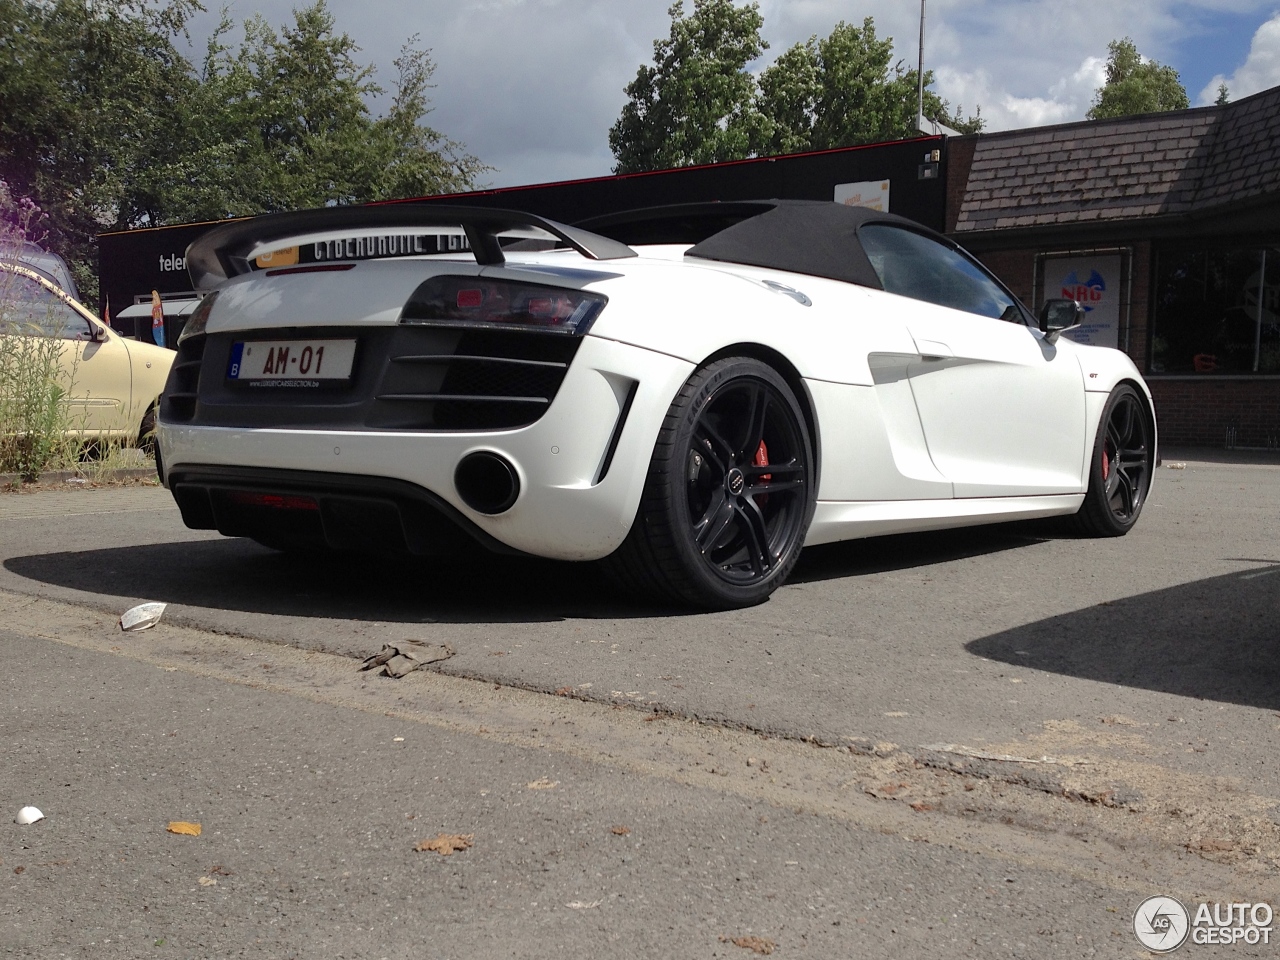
column 852, row 558
column 1215, row 639
column 239, row 575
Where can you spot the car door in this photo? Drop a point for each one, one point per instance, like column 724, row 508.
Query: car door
column 103, row 381
column 1003, row 410
column 94, row 361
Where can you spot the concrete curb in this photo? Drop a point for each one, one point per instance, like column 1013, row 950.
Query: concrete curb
column 56, row 476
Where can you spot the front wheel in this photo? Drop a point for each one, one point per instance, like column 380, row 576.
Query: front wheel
column 1121, row 470
column 147, row 431
column 729, row 493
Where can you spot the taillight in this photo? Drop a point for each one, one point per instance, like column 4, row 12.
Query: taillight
column 502, row 304
column 199, row 319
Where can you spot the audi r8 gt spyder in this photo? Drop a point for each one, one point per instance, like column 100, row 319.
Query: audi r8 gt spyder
column 689, row 394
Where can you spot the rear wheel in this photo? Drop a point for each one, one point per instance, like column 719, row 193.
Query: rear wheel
column 729, row 493
column 1120, row 474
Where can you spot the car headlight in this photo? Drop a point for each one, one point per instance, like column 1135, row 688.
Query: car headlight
column 502, row 304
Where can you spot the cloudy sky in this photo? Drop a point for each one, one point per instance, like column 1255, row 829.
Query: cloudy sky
column 532, row 86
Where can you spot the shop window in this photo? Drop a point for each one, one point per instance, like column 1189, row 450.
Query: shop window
column 1216, row 311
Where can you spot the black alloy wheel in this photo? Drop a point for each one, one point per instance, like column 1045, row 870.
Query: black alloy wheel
column 729, row 494
column 1121, row 472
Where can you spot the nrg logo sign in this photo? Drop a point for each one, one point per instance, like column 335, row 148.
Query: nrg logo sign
column 1087, row 293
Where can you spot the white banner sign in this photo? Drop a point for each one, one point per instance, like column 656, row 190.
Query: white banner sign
column 1094, row 283
column 872, row 194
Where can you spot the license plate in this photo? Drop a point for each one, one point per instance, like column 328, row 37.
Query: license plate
column 291, row 362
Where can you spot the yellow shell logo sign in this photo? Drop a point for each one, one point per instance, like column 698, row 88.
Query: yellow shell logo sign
column 278, row 258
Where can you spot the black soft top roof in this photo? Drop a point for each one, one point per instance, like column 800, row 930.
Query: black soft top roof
column 814, row 237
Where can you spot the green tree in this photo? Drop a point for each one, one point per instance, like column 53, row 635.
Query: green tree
column 1135, row 85
column 282, row 123
column 845, row 90
column 790, row 89
column 106, row 125
column 91, row 95
column 1224, row 96
column 697, row 103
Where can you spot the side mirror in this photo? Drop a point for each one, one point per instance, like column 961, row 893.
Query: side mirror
column 98, row 335
column 1059, row 315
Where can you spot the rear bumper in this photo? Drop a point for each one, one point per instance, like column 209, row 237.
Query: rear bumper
column 581, row 467
column 329, row 510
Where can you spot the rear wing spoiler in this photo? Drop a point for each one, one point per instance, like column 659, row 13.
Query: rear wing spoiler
column 229, row 250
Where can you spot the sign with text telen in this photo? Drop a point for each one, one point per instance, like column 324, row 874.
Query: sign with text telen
column 1094, row 283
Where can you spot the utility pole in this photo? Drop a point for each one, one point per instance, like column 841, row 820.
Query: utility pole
column 920, row 68
column 923, row 124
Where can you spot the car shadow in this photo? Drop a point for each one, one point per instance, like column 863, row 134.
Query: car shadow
column 852, row 558
column 1213, row 639
column 239, row 575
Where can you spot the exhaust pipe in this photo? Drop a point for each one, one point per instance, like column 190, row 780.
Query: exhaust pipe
column 486, row 482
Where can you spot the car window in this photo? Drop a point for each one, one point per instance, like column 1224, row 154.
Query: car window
column 30, row 308
column 913, row 265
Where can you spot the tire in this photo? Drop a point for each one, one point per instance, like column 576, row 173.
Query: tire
column 147, row 431
column 729, row 493
column 1121, row 468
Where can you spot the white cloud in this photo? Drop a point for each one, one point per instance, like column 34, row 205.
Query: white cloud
column 1067, row 99
column 1259, row 71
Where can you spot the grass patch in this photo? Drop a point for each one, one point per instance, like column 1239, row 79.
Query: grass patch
column 35, row 428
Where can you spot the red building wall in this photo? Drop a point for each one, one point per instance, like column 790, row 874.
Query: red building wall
column 1200, row 411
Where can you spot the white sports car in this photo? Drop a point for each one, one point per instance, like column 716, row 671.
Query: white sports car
column 690, row 394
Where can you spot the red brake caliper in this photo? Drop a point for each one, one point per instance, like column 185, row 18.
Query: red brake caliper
column 1106, row 464
column 761, row 459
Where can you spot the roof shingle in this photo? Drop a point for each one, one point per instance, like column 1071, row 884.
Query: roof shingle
column 1166, row 163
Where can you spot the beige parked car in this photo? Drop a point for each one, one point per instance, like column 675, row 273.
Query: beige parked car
column 115, row 384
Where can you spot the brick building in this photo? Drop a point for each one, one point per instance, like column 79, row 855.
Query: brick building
column 1168, row 224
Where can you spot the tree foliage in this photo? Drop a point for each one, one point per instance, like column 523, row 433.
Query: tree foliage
column 1135, row 85
column 91, row 95
column 699, row 103
column 696, row 104
column 844, row 90
column 106, row 125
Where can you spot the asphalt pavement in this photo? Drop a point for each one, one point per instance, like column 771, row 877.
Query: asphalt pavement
column 1001, row 633
column 979, row 729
